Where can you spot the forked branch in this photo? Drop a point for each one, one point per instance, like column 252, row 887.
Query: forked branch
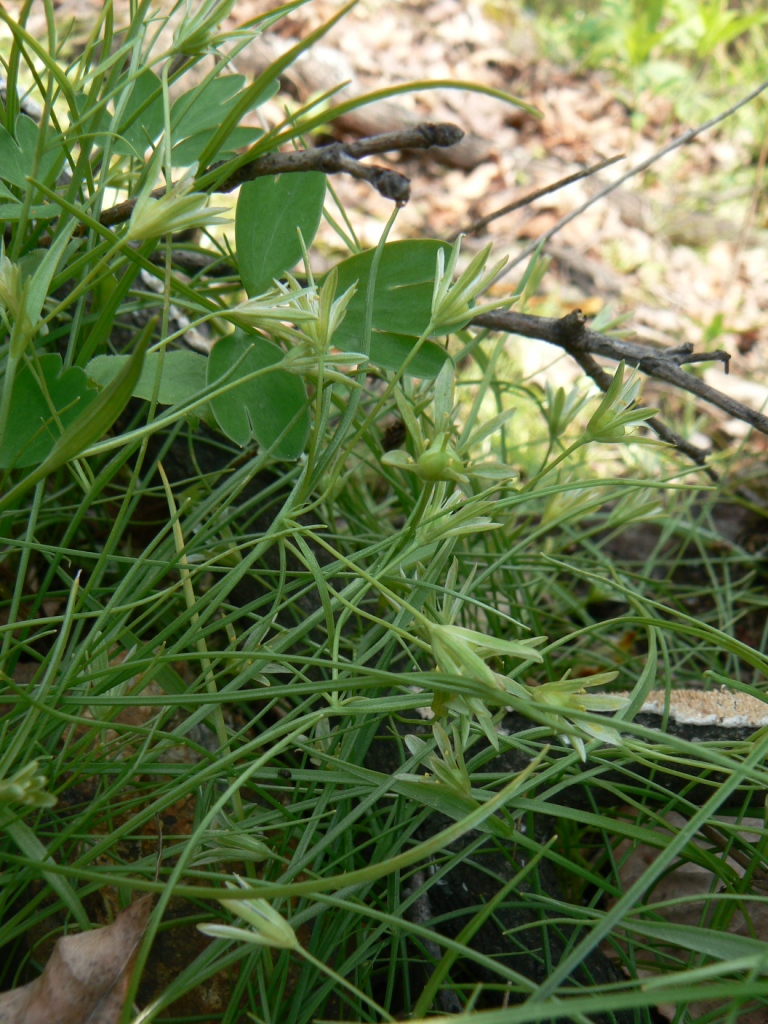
column 572, row 335
column 338, row 158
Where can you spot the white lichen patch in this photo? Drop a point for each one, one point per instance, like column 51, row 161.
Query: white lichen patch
column 728, row 709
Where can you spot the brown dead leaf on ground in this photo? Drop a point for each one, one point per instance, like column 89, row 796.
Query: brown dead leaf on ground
column 86, row 978
column 687, row 895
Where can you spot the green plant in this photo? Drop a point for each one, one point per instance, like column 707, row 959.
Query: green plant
column 693, row 51
column 189, row 617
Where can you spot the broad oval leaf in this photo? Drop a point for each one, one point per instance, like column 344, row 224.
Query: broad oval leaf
column 402, row 305
column 93, row 126
column 183, row 375
column 270, row 406
column 142, row 118
column 269, row 212
column 17, row 155
column 206, row 105
column 32, row 421
column 188, row 151
column 390, row 351
column 197, row 115
column 12, row 209
column 93, row 419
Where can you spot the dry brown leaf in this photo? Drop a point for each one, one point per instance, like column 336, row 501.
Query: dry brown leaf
column 86, row 978
column 684, row 895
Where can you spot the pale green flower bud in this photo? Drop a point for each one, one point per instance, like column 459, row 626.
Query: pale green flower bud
column 567, row 695
column 440, row 462
column 615, row 415
column 178, row 210
column 454, row 651
column 447, row 768
column 330, row 312
column 452, row 303
column 196, row 33
column 560, row 409
column 27, row 787
column 269, row 927
column 302, row 360
column 273, row 312
column 11, row 295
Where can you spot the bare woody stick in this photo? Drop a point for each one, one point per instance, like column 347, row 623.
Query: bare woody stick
column 527, row 199
column 681, row 140
column 338, row 158
column 572, row 335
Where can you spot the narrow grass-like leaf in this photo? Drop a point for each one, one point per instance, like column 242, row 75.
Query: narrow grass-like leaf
column 249, row 96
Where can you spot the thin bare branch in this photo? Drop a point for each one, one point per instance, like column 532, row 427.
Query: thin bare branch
column 338, row 158
column 478, row 225
column 681, row 140
column 572, row 335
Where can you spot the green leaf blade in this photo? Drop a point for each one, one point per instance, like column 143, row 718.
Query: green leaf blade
column 183, row 375
column 17, row 154
column 270, row 408
column 390, row 351
column 142, row 120
column 188, row 150
column 32, row 427
column 270, row 212
column 402, row 305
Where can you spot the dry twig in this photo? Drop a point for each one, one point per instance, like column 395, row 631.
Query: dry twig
column 681, row 140
column 526, row 200
column 572, row 335
column 338, row 158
